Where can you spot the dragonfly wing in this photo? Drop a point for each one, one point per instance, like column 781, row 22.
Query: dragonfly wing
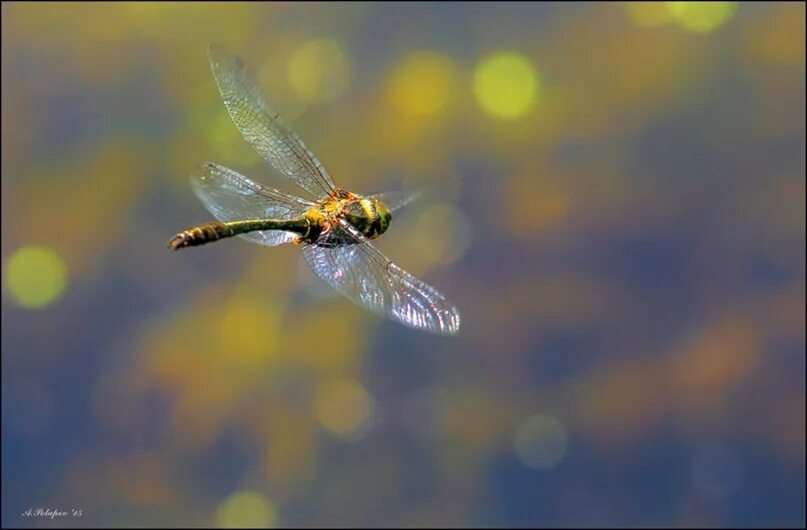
column 396, row 199
column 230, row 196
column 354, row 267
column 263, row 128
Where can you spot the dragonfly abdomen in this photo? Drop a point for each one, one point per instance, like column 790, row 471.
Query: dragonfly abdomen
column 210, row 232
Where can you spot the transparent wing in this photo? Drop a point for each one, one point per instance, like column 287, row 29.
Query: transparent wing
column 396, row 199
column 230, row 196
column 263, row 128
column 355, row 268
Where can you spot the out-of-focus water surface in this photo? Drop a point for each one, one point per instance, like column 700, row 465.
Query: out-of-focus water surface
column 614, row 198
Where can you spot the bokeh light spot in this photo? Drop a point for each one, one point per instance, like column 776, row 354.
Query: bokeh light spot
column 701, row 17
column 444, row 234
column 246, row 509
column 319, row 70
column 263, row 316
column 505, row 85
column 422, row 83
column 648, row 14
column 35, row 276
column 540, row 442
column 343, row 407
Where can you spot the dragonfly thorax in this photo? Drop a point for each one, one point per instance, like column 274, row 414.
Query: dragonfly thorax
column 367, row 215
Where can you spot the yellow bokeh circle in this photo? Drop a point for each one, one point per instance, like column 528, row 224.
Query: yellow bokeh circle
column 246, row 509
column 505, row 85
column 35, row 276
column 444, row 234
column 648, row 14
column 343, row 407
column 319, row 70
column 422, row 83
column 701, row 17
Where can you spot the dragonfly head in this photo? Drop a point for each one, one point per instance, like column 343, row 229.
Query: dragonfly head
column 384, row 215
column 370, row 216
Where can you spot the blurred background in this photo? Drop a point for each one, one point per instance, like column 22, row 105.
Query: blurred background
column 614, row 196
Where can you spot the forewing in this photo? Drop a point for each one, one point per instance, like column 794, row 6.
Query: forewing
column 363, row 274
column 263, row 128
column 396, row 199
column 230, row 196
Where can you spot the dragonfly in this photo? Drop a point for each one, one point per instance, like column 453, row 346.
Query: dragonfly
column 333, row 228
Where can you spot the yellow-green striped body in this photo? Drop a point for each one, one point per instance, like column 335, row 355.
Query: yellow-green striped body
column 368, row 216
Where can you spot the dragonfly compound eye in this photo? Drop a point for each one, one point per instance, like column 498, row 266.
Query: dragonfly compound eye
column 384, row 216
